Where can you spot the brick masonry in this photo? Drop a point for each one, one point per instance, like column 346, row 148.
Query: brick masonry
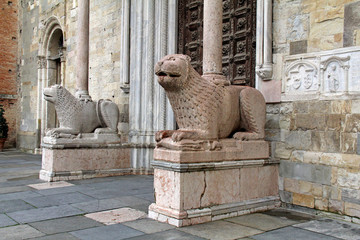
column 8, row 65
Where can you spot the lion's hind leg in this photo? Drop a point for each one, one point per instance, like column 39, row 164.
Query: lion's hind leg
column 253, row 115
column 108, row 115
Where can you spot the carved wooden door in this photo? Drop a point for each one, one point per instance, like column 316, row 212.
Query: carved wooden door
column 239, row 37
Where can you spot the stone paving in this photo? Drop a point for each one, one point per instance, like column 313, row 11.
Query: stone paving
column 116, row 207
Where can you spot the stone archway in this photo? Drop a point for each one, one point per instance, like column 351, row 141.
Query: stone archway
column 51, row 69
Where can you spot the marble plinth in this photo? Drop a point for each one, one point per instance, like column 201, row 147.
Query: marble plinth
column 189, row 190
column 69, row 161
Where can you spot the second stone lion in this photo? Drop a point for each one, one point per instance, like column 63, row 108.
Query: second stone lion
column 206, row 109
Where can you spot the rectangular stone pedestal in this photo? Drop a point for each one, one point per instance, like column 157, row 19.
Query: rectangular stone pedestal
column 81, row 163
column 189, row 190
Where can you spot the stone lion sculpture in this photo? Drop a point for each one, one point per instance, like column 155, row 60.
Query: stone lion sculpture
column 81, row 116
column 208, row 109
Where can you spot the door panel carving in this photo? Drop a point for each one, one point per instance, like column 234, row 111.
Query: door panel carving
column 239, row 34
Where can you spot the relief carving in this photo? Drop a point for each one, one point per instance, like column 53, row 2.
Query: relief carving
column 208, row 109
column 301, row 76
column 335, row 77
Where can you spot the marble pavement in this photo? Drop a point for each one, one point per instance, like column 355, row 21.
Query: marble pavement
column 34, row 209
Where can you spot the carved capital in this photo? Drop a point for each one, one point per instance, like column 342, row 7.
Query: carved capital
column 62, row 53
column 265, row 71
column 41, row 62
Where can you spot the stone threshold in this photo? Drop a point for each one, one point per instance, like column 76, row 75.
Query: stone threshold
column 197, row 216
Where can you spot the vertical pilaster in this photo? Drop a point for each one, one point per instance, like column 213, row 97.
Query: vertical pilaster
column 152, row 36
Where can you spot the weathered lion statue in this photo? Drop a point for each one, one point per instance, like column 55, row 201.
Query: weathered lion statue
column 81, row 116
column 208, row 109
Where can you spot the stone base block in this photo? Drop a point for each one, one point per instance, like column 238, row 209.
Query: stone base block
column 191, row 191
column 81, row 163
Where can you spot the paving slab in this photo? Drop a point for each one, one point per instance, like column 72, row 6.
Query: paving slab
column 262, row 221
column 170, row 235
column 343, row 230
column 289, row 233
column 103, row 193
column 67, row 224
column 19, row 232
column 54, row 191
column 110, row 232
column 18, row 195
column 40, row 214
column 50, row 185
column 14, row 206
column 116, row 216
column 6, row 221
column 221, row 230
column 148, row 226
column 113, row 191
column 41, row 202
column 142, row 207
column 148, row 196
column 99, row 205
column 58, row 199
column 14, row 189
column 59, row 236
column 291, row 215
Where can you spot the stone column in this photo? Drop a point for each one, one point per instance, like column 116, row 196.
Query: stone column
column 82, row 57
column 212, row 43
column 41, row 62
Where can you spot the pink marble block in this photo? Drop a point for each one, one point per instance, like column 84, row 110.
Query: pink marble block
column 186, row 198
column 76, row 162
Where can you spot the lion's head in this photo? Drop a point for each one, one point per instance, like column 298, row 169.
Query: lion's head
column 173, row 71
column 51, row 93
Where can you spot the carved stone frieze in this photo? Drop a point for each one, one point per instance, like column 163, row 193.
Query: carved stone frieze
column 302, row 76
column 322, row 75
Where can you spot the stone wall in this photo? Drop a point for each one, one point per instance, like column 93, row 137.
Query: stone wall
column 104, row 57
column 314, row 130
column 8, row 65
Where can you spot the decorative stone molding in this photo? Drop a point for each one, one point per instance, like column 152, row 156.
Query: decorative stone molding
column 48, row 27
column 264, row 65
column 322, row 75
column 152, row 28
column 269, row 87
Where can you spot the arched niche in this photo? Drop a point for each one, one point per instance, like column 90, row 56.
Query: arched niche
column 51, row 70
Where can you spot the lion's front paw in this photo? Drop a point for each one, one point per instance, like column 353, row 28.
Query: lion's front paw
column 246, row 136
column 178, row 136
column 53, row 133
column 163, row 134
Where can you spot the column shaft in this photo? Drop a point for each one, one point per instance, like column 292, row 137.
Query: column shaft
column 212, row 42
column 82, row 56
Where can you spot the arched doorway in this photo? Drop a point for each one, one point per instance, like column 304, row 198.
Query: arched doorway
column 51, row 69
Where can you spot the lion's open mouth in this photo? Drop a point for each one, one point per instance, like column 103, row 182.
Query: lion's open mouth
column 164, row 74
